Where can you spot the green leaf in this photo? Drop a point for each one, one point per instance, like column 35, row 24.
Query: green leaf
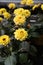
column 34, row 34
column 33, row 50
column 23, row 58
column 11, row 60
column 24, row 46
column 30, row 62
column 1, row 63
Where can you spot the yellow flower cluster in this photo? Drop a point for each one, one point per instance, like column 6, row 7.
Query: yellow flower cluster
column 6, row 15
column 21, row 15
column 21, row 11
column 27, row 2
column 11, row 5
column 35, row 6
column 19, row 20
column 4, row 40
column 2, row 10
column 42, row 6
column 1, row 19
column 20, row 34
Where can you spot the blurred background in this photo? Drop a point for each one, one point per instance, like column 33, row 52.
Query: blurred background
column 36, row 1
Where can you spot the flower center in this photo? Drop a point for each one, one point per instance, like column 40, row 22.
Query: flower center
column 4, row 39
column 21, row 32
column 26, row 12
column 21, row 11
column 19, row 17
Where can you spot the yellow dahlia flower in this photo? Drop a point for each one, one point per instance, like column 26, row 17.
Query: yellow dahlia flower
column 2, row 10
column 1, row 19
column 42, row 6
column 23, row 12
column 19, row 20
column 4, row 40
column 23, row 2
column 20, row 34
column 29, row 2
column 6, row 15
column 19, row 11
column 11, row 5
column 27, row 13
